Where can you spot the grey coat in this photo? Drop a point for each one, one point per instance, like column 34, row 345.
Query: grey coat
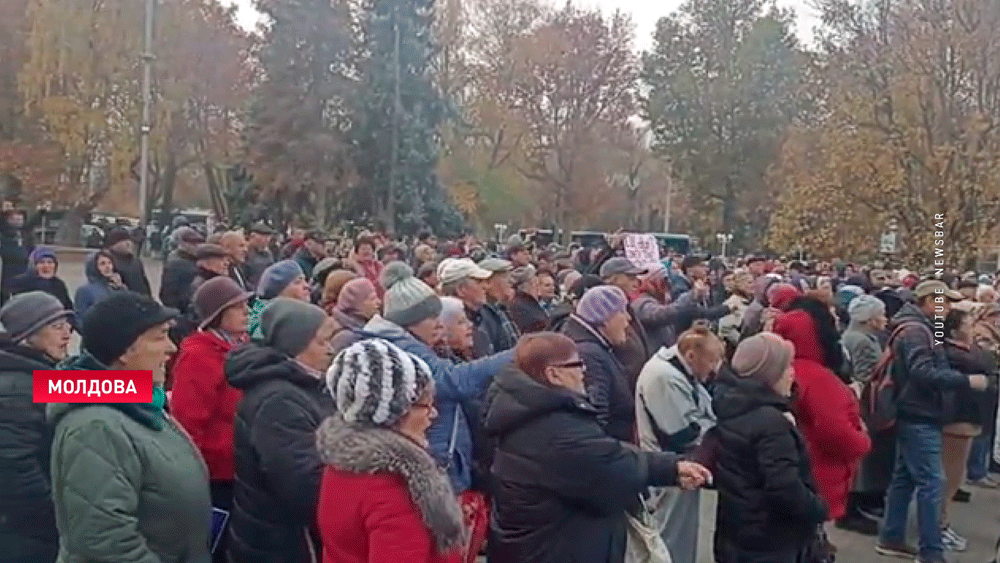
column 864, row 349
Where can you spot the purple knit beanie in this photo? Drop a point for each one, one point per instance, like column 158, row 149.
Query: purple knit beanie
column 601, row 303
column 354, row 294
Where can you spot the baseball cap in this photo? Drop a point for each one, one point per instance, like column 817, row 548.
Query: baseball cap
column 936, row 287
column 455, row 270
column 619, row 265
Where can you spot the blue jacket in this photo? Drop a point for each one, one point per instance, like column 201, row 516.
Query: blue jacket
column 98, row 288
column 453, row 383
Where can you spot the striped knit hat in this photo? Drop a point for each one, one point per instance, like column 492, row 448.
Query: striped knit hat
column 601, row 303
column 376, row 382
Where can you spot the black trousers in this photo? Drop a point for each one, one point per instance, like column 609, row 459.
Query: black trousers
column 222, row 498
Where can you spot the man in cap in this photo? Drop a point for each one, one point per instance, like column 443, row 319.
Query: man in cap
column 313, row 250
column 635, row 352
column 181, row 268
column 259, row 255
column 526, row 309
column 119, row 243
column 922, row 375
column 464, row 280
column 496, row 318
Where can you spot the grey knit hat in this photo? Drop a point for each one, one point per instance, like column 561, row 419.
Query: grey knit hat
column 864, row 308
column 27, row 313
column 289, row 325
column 764, row 356
column 600, row 303
column 408, row 300
column 376, row 382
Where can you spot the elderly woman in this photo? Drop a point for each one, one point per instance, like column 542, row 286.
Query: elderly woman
column 41, row 276
column 739, row 301
column 862, row 339
column 769, row 508
column 128, row 484
column 333, row 284
column 36, row 336
column 563, row 486
column 456, row 341
column 383, row 498
column 357, row 303
column 281, row 279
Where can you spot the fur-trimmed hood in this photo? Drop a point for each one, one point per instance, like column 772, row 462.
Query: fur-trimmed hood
column 369, row 449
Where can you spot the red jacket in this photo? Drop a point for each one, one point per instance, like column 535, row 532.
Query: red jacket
column 827, row 412
column 371, row 518
column 203, row 402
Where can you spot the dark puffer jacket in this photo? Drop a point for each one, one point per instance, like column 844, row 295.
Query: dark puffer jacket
column 277, row 466
column 561, row 485
column 966, row 405
column 179, row 271
column 607, row 385
column 767, row 497
column 921, row 371
column 25, row 446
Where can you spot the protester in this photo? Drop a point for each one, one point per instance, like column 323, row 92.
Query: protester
column 768, row 508
column 563, row 485
column 127, row 482
column 525, row 308
column 357, row 303
column 36, row 334
column 281, row 279
column 277, row 468
column 102, row 282
column 235, row 246
column 496, row 321
column 332, row 286
column 118, row 242
column 180, row 268
column 41, row 276
column 378, row 472
column 463, row 280
column 259, row 255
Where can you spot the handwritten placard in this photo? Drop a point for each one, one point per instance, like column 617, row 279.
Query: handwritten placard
column 642, row 250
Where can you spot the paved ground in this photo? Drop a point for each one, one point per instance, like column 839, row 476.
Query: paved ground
column 978, row 521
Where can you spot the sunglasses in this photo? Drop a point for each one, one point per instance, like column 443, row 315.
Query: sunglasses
column 569, row 365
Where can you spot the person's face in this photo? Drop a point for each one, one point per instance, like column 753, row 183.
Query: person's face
column 879, row 322
column 459, row 333
column 756, row 268
column 546, row 287
column 16, row 220
column 366, row 252
column 429, row 331
column 432, row 280
column 745, row 284
column 236, row 247
column 825, row 285
column 46, row 268
column 259, row 241
column 705, row 363
column 105, row 266
column 370, row 306
column 499, row 287
column 318, row 353
column 219, row 265
column 419, row 418
column 298, row 289
column 616, row 329
column 123, row 247
column 472, row 293
column 567, row 374
column 150, row 352
column 52, row 339
column 521, row 258
column 316, row 248
column 234, row 319
column 626, row 282
column 698, row 272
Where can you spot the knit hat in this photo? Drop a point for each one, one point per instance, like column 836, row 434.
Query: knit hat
column 354, row 293
column 215, row 296
column 781, row 295
column 41, row 253
column 600, row 303
column 277, row 277
column 764, row 357
column 864, row 308
column 114, row 324
column 376, row 382
column 407, row 300
column 114, row 236
column 27, row 313
column 289, row 325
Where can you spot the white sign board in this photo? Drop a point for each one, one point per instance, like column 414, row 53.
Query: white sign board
column 887, row 245
column 642, row 250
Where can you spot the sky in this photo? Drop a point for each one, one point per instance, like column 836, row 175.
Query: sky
column 644, row 14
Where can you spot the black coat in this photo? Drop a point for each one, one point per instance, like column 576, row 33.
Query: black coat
column 132, row 272
column 607, row 385
column 496, row 323
column 30, row 281
column 966, row 405
column 178, row 273
column 767, row 496
column 26, row 508
column 277, row 466
column 561, row 485
column 15, row 248
column 527, row 314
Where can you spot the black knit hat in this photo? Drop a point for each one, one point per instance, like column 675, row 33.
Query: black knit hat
column 114, row 324
column 116, row 235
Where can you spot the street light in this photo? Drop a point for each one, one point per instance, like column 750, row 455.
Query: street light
column 500, row 228
column 724, row 240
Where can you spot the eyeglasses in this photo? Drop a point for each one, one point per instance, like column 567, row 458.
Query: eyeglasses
column 571, row 365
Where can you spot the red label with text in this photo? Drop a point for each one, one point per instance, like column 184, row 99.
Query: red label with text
column 111, row 386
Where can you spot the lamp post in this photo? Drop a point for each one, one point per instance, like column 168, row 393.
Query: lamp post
column 724, row 240
column 500, row 228
column 147, row 100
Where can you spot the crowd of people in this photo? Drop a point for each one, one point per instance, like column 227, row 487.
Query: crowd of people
column 371, row 401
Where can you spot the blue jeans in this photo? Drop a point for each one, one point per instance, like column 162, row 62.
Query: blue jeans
column 918, row 468
column 979, row 456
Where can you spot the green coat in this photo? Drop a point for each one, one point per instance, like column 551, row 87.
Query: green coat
column 128, row 487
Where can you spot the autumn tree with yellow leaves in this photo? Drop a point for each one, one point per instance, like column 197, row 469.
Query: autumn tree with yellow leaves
column 910, row 132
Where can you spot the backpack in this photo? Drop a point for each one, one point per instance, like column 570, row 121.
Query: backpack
column 878, row 395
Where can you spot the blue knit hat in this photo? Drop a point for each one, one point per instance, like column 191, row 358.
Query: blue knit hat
column 601, row 303
column 277, row 277
column 40, row 253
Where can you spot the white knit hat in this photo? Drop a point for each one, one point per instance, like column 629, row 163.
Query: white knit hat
column 408, row 300
column 376, row 382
